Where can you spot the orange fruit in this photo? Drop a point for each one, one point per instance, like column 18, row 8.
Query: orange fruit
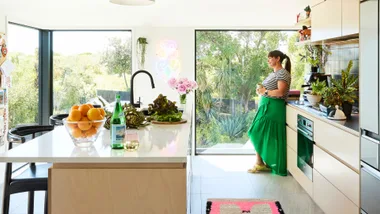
column 72, row 125
column 90, row 132
column 96, row 124
column 75, row 115
column 84, row 124
column 94, row 114
column 84, row 109
column 74, row 107
column 102, row 112
column 77, row 133
column 91, row 106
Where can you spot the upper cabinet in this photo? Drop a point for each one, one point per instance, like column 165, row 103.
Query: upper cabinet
column 326, row 20
column 350, row 17
column 334, row 18
column 315, row 2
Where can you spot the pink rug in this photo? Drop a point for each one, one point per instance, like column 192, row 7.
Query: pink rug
column 239, row 206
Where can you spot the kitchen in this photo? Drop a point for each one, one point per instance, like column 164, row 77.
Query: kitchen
column 340, row 31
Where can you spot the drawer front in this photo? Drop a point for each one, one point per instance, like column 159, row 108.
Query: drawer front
column 338, row 174
column 329, row 198
column 370, row 190
column 370, row 150
column 298, row 175
column 291, row 117
column 291, row 138
column 341, row 144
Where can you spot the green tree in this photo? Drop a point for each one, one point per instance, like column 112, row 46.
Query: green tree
column 23, row 93
column 118, row 58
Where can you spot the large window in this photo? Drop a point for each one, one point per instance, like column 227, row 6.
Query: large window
column 23, row 46
column 229, row 64
column 88, row 64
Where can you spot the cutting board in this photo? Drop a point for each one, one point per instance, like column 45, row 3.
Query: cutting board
column 168, row 123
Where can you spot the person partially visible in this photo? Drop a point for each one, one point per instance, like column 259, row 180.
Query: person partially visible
column 268, row 129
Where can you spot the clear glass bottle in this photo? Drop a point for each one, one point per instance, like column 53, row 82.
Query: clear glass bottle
column 117, row 126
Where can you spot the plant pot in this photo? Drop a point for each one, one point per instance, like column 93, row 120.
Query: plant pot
column 314, row 69
column 347, row 109
column 325, row 109
column 313, row 99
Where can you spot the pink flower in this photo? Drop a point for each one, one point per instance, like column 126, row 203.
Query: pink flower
column 172, row 83
column 182, row 89
column 194, row 85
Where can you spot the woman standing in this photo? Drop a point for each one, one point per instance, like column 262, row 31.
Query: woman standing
column 268, row 131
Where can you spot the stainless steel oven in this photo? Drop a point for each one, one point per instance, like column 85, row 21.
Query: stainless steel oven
column 305, row 143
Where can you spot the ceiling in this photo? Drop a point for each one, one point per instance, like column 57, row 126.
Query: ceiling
column 184, row 13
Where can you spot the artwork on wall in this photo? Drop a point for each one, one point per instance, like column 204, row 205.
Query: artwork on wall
column 168, row 63
column 3, row 48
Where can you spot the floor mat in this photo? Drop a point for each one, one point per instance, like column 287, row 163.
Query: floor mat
column 239, row 206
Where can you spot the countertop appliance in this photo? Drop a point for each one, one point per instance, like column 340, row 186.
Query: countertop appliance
column 305, row 143
column 313, row 77
column 369, row 107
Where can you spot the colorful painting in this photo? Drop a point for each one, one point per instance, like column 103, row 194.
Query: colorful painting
column 168, row 63
column 3, row 48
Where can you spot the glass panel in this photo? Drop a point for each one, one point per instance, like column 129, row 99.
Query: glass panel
column 23, row 46
column 229, row 64
column 87, row 64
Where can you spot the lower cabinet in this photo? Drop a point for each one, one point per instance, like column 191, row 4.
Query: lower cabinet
column 329, row 198
column 301, row 178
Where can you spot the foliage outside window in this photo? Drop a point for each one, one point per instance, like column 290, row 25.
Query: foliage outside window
column 97, row 64
column 229, row 64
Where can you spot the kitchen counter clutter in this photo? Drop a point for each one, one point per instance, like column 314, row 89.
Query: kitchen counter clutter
column 100, row 180
column 323, row 156
column 157, row 144
column 349, row 125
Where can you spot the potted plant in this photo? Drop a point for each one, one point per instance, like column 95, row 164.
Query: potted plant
column 316, row 91
column 346, row 88
column 331, row 98
column 141, row 51
column 307, row 10
column 316, row 56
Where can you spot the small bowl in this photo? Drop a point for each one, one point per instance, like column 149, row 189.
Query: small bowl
column 84, row 133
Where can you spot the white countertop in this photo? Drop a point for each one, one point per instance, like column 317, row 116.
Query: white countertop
column 158, row 144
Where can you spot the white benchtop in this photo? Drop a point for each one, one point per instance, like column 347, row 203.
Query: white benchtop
column 158, row 144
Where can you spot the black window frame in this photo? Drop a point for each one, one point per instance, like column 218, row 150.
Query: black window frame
column 45, row 68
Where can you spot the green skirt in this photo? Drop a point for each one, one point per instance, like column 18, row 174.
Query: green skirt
column 268, row 133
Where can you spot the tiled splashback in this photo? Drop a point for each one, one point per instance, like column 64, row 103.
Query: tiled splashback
column 339, row 58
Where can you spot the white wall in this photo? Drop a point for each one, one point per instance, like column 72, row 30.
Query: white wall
column 183, row 41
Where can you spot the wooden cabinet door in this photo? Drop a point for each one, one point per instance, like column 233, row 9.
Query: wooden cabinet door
column 350, row 17
column 326, row 20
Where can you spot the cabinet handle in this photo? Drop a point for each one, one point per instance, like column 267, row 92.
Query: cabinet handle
column 370, row 139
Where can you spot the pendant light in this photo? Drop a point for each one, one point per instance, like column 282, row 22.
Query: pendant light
column 133, row 2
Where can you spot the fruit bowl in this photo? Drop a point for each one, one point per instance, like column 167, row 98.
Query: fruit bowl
column 84, row 133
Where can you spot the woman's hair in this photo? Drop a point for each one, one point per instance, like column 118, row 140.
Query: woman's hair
column 277, row 53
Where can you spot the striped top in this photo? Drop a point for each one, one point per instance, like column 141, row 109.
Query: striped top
column 270, row 83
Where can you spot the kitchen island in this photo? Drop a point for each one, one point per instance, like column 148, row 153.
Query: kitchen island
column 99, row 180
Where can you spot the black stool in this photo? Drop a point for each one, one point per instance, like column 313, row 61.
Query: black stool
column 32, row 177
column 56, row 120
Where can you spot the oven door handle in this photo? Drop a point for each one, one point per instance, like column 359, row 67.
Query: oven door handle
column 308, row 135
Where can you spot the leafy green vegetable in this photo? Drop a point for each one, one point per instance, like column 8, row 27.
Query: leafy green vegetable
column 164, row 110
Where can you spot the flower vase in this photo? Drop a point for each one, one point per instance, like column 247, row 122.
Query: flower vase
column 182, row 101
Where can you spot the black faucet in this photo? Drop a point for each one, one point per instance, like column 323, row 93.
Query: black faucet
column 137, row 105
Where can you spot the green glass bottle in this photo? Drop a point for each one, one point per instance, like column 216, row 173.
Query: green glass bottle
column 117, row 124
